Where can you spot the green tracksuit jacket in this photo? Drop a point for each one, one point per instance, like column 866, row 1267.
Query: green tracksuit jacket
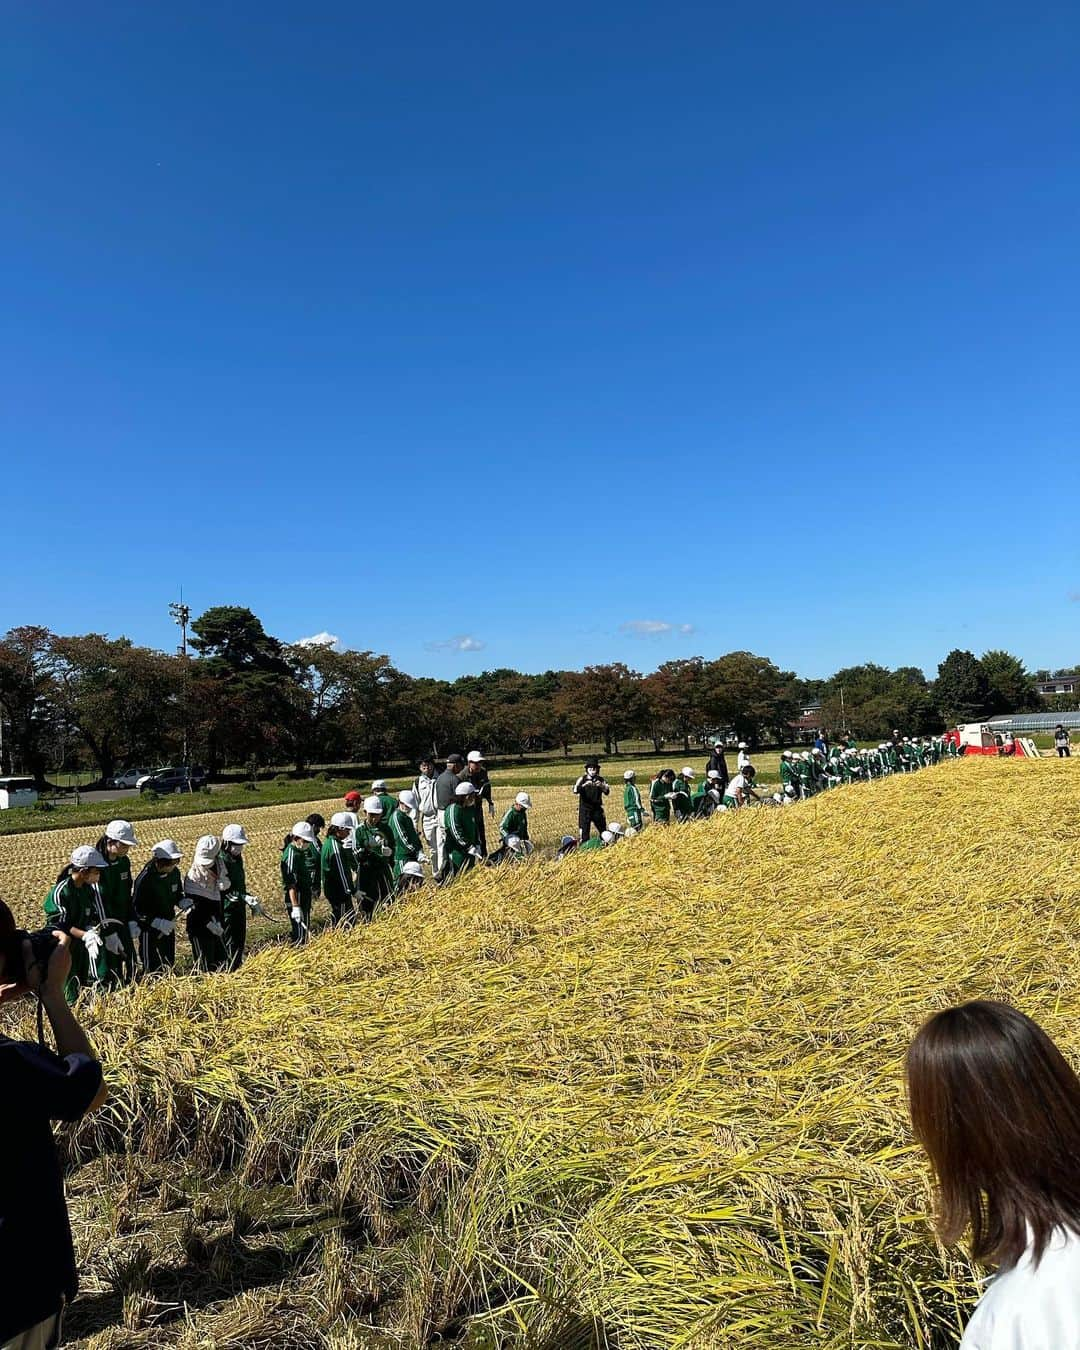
column 338, row 869
column 593, row 842
column 234, row 908
column 682, row 801
column 115, row 888
column 516, row 821
column 461, row 836
column 407, row 847
column 631, row 800
column 658, row 801
column 156, row 895
column 296, row 875
column 68, row 906
column 374, row 877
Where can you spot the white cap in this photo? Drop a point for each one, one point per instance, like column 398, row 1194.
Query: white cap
column 628, row 774
column 785, row 752
column 606, row 836
column 87, row 856
column 234, row 834
column 411, row 869
column 474, row 757
column 687, row 771
column 350, row 817
column 373, row 806
column 120, row 831
column 408, row 799
column 167, row 848
column 343, row 820
column 616, row 828
column 207, row 847
column 379, row 785
column 465, row 790
column 713, row 773
column 743, row 745
column 523, row 799
column 302, row 830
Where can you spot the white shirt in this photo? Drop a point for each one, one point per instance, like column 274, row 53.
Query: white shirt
column 1029, row 1308
column 744, row 758
column 737, row 783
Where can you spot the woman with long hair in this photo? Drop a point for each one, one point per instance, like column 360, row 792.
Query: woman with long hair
column 997, row 1108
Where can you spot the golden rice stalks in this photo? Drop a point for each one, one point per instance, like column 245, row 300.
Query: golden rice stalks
column 652, row 1095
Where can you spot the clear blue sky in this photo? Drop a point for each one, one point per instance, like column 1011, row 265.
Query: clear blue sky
column 516, row 327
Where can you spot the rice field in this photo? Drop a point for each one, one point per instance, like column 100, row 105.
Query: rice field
column 648, row 1098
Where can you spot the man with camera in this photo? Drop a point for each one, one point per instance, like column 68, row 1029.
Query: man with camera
column 38, row 1086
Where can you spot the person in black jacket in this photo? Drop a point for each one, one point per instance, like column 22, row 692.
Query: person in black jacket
column 717, row 761
column 590, row 790
column 39, row 1085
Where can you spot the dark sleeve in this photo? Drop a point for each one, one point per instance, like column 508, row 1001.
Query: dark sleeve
column 485, row 791
column 47, row 1086
column 141, row 911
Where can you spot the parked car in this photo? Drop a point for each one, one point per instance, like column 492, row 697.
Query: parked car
column 17, row 792
column 128, row 779
column 177, row 779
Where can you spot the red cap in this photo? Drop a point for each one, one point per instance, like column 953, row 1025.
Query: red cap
column 354, row 796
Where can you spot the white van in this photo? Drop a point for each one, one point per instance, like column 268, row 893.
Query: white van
column 17, row 792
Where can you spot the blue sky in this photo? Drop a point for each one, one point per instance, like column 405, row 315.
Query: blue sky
column 560, row 334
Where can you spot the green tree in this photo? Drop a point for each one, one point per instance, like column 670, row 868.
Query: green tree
column 1011, row 687
column 750, row 695
column 961, row 689
column 676, row 693
column 603, row 702
column 123, row 700
column 26, row 706
column 244, row 699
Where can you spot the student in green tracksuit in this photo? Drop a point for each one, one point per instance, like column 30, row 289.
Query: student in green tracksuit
column 631, row 800
column 659, row 802
column 298, row 862
column 156, row 894
column 337, row 867
column 683, row 787
column 462, row 836
column 602, row 840
column 373, row 851
column 407, row 846
column 515, row 823
column 789, row 778
column 389, row 804
column 115, row 887
column 234, row 902
column 708, row 796
column 74, row 906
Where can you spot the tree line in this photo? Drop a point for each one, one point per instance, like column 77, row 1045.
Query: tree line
column 245, row 698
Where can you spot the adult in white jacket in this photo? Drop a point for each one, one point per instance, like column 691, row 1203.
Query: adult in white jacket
column 427, row 809
column 997, row 1108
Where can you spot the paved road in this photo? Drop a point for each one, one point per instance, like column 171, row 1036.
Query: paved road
column 119, row 794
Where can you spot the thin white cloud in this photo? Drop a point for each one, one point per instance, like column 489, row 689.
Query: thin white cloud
column 320, row 640
column 463, row 642
column 653, row 628
column 1074, row 596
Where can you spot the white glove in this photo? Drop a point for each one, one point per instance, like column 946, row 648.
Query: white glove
column 114, row 945
column 135, row 929
column 476, row 852
column 421, row 857
column 186, row 903
column 163, row 926
column 297, row 915
column 214, row 927
column 252, row 902
column 92, row 943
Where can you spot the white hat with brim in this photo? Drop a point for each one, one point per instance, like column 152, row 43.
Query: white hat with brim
column 167, row 848
column 87, row 856
column 343, row 820
column 303, row 830
column 234, row 834
column 372, row 806
column 465, row 790
column 412, row 869
column 121, row 832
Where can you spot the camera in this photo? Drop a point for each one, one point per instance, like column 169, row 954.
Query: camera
column 43, row 943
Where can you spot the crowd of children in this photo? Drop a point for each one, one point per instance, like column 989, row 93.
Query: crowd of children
column 124, row 925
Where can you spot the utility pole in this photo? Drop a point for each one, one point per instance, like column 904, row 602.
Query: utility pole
column 181, row 616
